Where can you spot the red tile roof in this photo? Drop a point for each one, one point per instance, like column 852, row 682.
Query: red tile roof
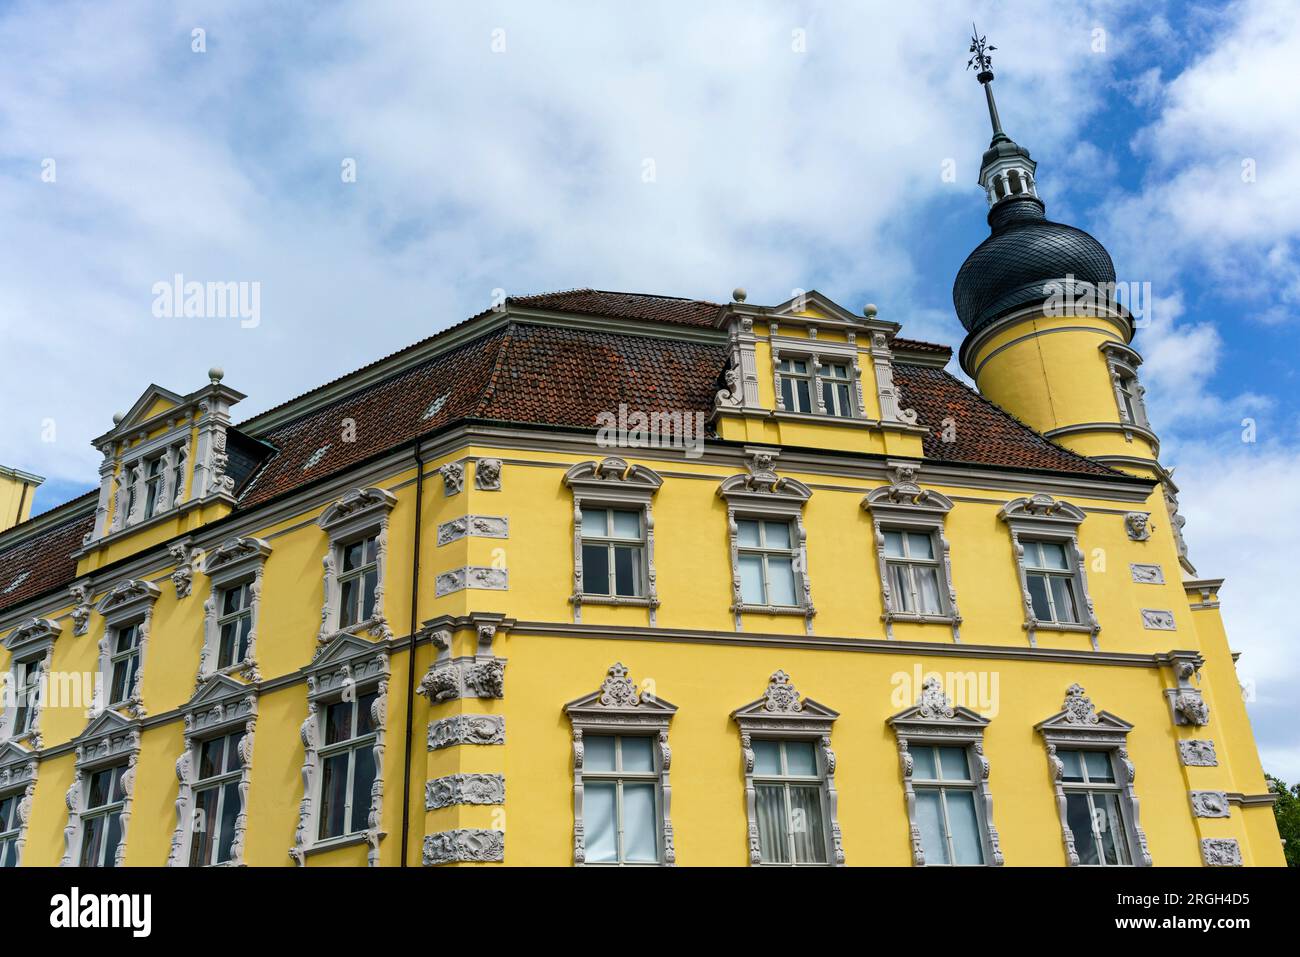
column 32, row 566
column 624, row 305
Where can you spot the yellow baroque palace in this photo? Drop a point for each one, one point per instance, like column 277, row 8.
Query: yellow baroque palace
column 597, row 578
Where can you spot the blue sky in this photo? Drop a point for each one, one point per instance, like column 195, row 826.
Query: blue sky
column 676, row 148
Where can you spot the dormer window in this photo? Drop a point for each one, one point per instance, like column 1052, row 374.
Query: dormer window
column 835, row 379
column 153, row 486
column 796, row 385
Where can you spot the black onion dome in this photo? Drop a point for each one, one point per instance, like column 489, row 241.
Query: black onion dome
column 1025, row 253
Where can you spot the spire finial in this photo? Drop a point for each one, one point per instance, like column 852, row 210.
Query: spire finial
column 980, row 60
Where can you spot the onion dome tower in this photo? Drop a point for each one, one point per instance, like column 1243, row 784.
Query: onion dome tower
column 1047, row 338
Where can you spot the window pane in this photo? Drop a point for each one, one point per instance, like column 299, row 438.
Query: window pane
column 338, row 722
column 598, row 752
column 226, row 644
column 770, row 804
column 348, row 603
column 894, row 544
column 927, row 587
column 229, row 811
column 767, row 756
column 1098, row 766
column 639, row 823
column 920, row 545
column 828, row 396
column 1063, row 597
column 363, row 776
column 594, row 522
column 627, row 524
column 803, row 398
column 230, row 601
column 245, row 629
column 952, row 764
column 1053, row 555
column 369, row 582
column 751, row 580
column 365, row 712
column 352, row 556
column 900, row 588
column 112, row 837
column 800, row 758
column 204, row 826
column 923, row 764
column 1110, row 823
column 1038, row 597
column 746, row 532
column 627, row 571
column 126, row 639
column 334, row 791
column 929, row 818
column 598, row 822
column 1073, row 762
column 780, row 579
column 964, row 827
column 595, row 569
column 8, row 812
column 843, row 405
column 92, row 837
column 638, row 753
column 101, row 784
column 210, row 757
column 806, row 822
column 8, row 853
column 776, row 534
column 1078, row 816
column 787, row 392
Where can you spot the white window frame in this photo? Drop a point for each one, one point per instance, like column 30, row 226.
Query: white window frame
column 1122, row 362
column 30, row 643
column 18, row 780
column 935, row 722
column 1079, row 726
column 129, row 603
column 763, row 495
column 221, row 706
column 348, row 666
column 903, row 506
column 780, row 714
column 358, row 515
column 109, row 740
column 619, row 709
column 816, row 355
column 613, row 483
column 237, row 562
column 1042, row 518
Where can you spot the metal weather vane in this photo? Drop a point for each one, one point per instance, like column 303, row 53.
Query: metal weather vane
column 980, row 50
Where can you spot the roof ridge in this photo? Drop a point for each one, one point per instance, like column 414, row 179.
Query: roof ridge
column 489, row 388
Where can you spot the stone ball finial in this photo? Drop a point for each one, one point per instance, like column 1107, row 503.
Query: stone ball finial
column 216, row 374
column 870, row 310
column 738, row 294
column 117, row 418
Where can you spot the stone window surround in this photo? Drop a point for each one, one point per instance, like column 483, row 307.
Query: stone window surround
column 30, row 641
column 613, row 483
column 904, row 506
column 238, row 561
column 359, row 514
column 348, row 665
column 18, row 776
column 173, row 447
column 220, row 708
column 933, row 720
column 127, row 603
column 1080, row 727
column 1122, row 362
column 1042, row 518
column 108, row 740
column 618, row 708
column 761, row 494
column 816, row 353
column 780, row 714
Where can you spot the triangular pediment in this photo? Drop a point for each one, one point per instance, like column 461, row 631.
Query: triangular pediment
column 154, row 401
column 920, row 715
column 1106, row 723
column 107, row 722
column 218, row 688
column 813, row 305
column 343, row 647
column 809, row 709
column 11, row 754
column 647, row 704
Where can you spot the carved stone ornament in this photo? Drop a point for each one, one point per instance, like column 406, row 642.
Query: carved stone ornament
column 934, row 703
column 618, row 691
column 732, row 395
column 457, row 789
column 467, row 729
column 487, row 475
column 1147, row 574
column 781, row 695
column 1138, row 525
column 473, row 526
column 80, row 609
column 464, row 678
column 109, row 739
column 183, row 575
column 1078, row 707
column 464, row 845
column 471, row 576
column 1210, row 803
column 1155, row 619
column 1186, row 701
column 1221, row 852
column 1197, row 753
column 453, row 477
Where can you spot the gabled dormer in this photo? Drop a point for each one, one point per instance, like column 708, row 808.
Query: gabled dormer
column 168, row 454
column 810, row 372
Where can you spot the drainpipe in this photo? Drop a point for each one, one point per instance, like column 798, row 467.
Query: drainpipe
column 410, row 653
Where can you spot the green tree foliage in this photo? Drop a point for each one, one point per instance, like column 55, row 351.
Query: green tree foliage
column 1287, row 810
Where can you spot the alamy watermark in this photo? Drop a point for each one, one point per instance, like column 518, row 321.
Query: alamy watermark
column 180, row 299
column 635, row 429
column 1073, row 296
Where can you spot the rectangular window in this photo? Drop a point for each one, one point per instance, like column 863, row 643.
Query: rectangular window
column 347, row 760
column 613, row 551
column 1094, row 808
column 620, row 799
column 796, row 385
column 835, row 389
column 1127, row 403
column 27, row 676
column 123, row 664
column 101, row 821
column 1051, row 582
column 788, row 791
column 9, row 826
column 216, row 800
column 234, row 622
column 946, row 810
column 358, row 579
column 178, row 473
column 912, row 564
column 766, row 553
column 153, row 485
